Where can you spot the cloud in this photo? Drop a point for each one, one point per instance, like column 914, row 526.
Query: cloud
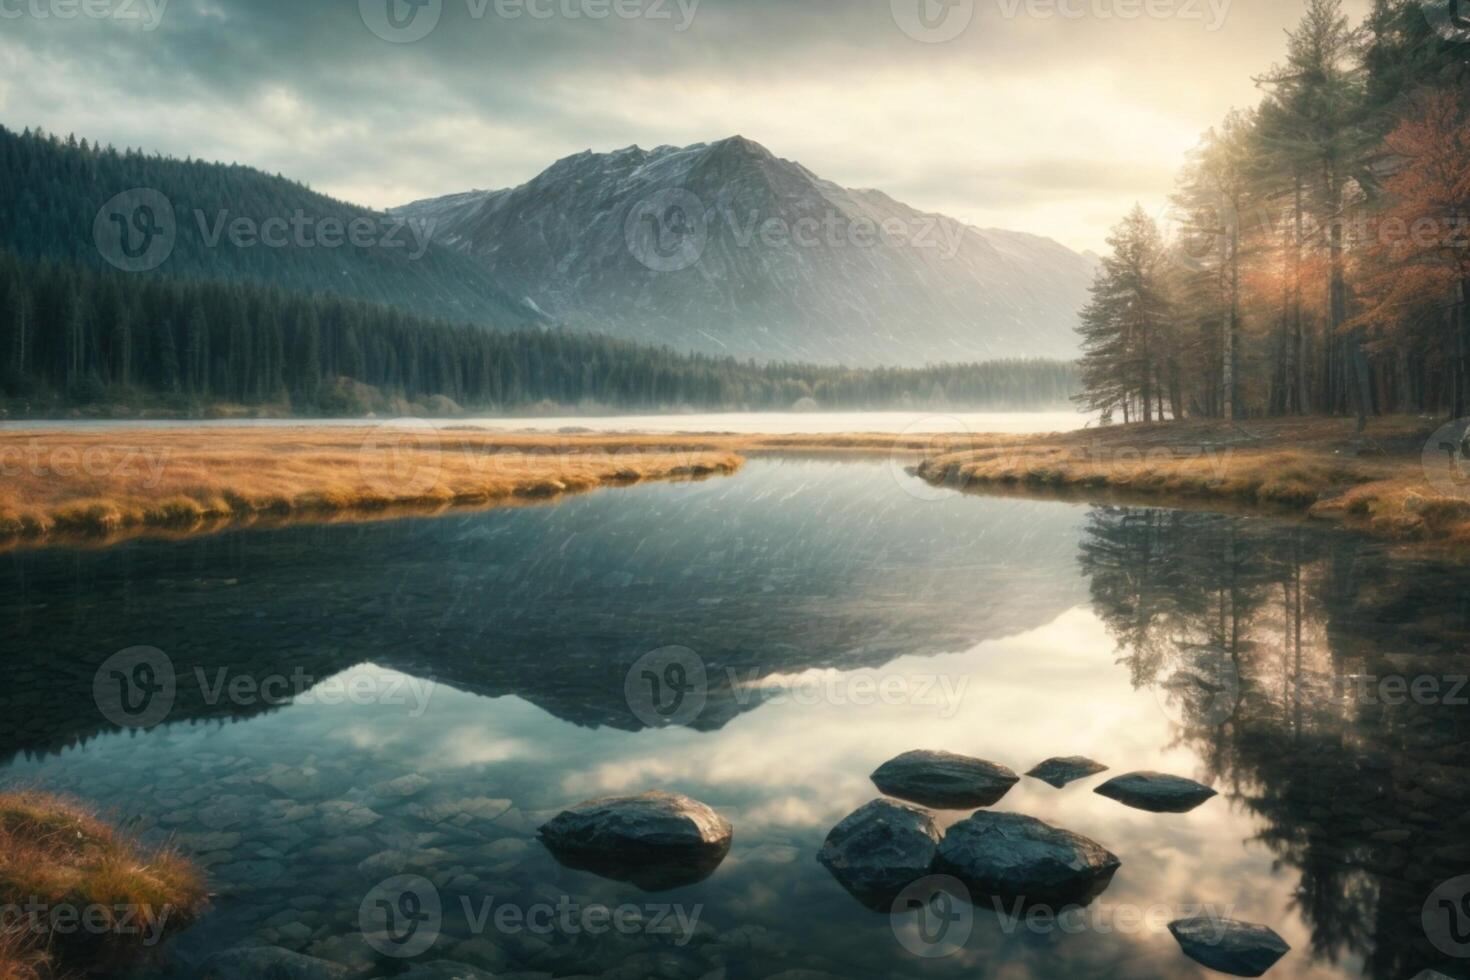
column 1042, row 123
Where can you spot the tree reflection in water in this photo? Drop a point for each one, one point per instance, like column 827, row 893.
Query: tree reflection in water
column 1319, row 677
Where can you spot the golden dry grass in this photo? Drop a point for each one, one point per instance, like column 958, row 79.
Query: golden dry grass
column 106, row 484
column 1394, row 481
column 60, row 864
column 109, row 483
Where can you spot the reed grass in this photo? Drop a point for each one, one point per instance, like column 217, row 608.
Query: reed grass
column 80, row 897
column 1392, row 481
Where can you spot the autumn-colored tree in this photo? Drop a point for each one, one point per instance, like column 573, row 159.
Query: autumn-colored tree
column 1417, row 272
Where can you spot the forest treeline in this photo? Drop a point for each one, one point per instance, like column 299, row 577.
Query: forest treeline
column 52, row 190
column 71, row 335
column 1316, row 256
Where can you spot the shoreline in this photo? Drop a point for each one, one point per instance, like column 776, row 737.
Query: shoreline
column 98, row 487
column 65, row 487
column 68, row 487
column 1392, row 482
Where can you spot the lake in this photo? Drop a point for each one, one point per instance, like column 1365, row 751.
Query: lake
column 338, row 710
column 744, row 423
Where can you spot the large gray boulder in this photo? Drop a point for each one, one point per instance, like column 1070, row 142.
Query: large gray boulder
column 656, row 841
column 944, row 780
column 1242, row 949
column 1058, row 772
column 1012, row 856
column 1156, row 792
column 880, row 849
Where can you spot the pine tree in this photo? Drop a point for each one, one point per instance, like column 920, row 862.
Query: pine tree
column 1125, row 324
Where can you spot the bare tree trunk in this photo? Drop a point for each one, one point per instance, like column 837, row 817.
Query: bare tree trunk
column 1462, row 351
column 1300, row 394
column 1232, row 332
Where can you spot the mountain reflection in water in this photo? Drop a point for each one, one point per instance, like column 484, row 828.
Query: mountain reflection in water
column 1260, row 656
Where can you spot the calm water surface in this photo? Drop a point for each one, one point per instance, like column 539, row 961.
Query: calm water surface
column 773, row 423
column 461, row 679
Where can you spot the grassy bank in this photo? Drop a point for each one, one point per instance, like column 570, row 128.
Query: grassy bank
column 100, row 485
column 1396, row 481
column 108, row 483
column 80, row 897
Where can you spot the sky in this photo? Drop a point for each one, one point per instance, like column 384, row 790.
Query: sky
column 1047, row 116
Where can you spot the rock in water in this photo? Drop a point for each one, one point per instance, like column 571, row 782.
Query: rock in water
column 1242, row 949
column 879, row 850
column 1061, row 771
column 944, row 780
column 254, row 963
column 656, row 841
column 1012, row 856
column 1156, row 792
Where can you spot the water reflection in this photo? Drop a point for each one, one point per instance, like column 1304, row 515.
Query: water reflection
column 1323, row 686
column 1258, row 656
column 553, row 606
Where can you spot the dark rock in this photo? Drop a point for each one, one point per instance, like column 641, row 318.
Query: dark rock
column 880, row 849
column 1156, row 792
column 656, row 841
column 268, row 963
column 1242, row 949
column 445, row 970
column 1011, row 856
column 1061, row 771
column 944, row 780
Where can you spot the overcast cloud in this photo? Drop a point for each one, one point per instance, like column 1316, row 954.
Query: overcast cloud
column 1049, row 116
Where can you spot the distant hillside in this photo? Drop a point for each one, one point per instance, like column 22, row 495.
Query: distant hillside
column 726, row 249
column 55, row 192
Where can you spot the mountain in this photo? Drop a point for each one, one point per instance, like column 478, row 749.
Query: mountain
column 64, row 200
column 725, row 248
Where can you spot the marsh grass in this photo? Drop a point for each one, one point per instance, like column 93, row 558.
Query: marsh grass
column 1318, row 467
column 103, row 485
column 58, row 859
column 111, row 483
